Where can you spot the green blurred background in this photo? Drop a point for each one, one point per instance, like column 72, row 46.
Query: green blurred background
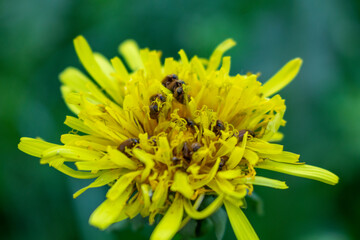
column 323, row 102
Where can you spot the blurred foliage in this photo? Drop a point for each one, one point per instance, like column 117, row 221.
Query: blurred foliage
column 323, row 103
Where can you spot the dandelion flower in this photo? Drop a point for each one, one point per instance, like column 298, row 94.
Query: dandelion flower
column 163, row 136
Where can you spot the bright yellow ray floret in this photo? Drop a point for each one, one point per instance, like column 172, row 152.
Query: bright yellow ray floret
column 165, row 135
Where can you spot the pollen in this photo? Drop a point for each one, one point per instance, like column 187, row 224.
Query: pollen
column 163, row 135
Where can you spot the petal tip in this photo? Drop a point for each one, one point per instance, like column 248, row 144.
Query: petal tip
column 298, row 61
column 79, row 38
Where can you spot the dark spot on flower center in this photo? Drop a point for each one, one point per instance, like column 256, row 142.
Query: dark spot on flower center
column 223, row 160
column 175, row 85
column 128, row 143
column 188, row 150
column 154, row 107
column 241, row 134
column 219, row 126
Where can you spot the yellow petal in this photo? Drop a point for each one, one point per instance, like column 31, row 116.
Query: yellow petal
column 226, row 63
column 235, row 157
column 273, row 125
column 277, row 137
column 86, row 141
column 183, row 57
column 121, row 184
column 240, row 224
column 286, row 157
column 130, row 51
column 208, row 177
column 301, row 170
column 229, row 189
column 261, row 181
column 102, row 180
column 164, row 151
column 196, row 205
column 76, row 174
column 218, row 53
column 144, row 142
column 96, row 66
column 169, row 66
column 106, row 67
column 55, row 161
column 282, row 78
column 134, row 206
column 170, row 223
column 94, row 166
column 262, row 146
column 251, row 156
column 75, row 79
column 120, row 69
column 193, row 213
column 79, row 125
column 73, row 152
column 109, row 211
column 199, row 68
column 146, row 193
column 121, row 159
column 227, row 146
column 145, row 158
column 181, row 185
column 70, row 97
column 152, row 64
column 122, row 216
column 160, row 194
column 34, row 147
column 229, row 174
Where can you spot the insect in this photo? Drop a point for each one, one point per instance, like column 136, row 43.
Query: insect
column 179, row 94
column 175, row 85
column 195, row 146
column 188, row 149
column 223, row 159
column 241, row 134
column 154, row 107
column 190, row 122
column 159, row 96
column 128, row 143
column 176, row 160
column 152, row 140
column 187, row 153
column 219, row 126
column 154, row 110
column 169, row 79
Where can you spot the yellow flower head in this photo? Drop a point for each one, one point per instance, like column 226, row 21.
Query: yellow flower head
column 164, row 135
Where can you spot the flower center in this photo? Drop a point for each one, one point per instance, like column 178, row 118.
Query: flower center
column 196, row 140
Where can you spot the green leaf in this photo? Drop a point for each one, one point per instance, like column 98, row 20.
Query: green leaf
column 219, row 219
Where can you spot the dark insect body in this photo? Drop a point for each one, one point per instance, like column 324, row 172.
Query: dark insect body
column 154, row 107
column 175, row 85
column 169, row 79
column 188, row 149
column 223, row 160
column 241, row 134
column 190, row 123
column 179, row 94
column 219, row 126
column 128, row 143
